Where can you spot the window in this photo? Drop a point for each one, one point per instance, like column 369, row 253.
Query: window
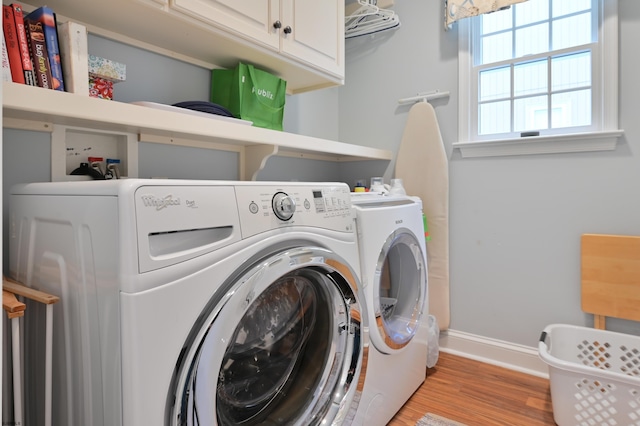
column 540, row 76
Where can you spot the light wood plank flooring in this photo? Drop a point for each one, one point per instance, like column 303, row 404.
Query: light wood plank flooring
column 481, row 394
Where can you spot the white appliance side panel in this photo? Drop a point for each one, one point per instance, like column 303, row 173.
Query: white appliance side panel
column 67, row 246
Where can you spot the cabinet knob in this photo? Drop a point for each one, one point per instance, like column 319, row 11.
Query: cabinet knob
column 287, row 30
column 277, row 25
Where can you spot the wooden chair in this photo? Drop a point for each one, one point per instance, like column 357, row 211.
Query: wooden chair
column 16, row 309
column 610, row 277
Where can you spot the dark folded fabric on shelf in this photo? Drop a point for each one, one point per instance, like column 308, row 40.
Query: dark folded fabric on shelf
column 203, row 106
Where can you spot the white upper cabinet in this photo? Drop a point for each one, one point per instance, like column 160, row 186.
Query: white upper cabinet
column 311, row 32
column 301, row 41
column 252, row 19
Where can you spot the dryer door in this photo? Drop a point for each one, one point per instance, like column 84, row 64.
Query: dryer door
column 399, row 292
column 282, row 346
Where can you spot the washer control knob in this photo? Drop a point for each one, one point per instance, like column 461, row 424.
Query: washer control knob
column 283, row 206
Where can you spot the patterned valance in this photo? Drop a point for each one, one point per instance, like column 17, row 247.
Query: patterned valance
column 458, row 9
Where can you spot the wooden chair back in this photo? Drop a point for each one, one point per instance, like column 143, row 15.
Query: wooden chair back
column 610, row 274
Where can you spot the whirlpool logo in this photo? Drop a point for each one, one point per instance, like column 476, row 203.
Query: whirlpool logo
column 160, row 203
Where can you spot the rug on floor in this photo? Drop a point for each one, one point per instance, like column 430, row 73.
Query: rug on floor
column 435, row 420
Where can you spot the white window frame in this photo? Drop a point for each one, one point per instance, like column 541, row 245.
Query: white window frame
column 604, row 84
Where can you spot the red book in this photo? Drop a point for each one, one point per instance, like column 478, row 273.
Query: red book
column 11, row 40
column 23, row 43
column 39, row 55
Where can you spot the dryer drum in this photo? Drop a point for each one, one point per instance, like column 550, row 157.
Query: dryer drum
column 400, row 274
column 273, row 315
column 258, row 365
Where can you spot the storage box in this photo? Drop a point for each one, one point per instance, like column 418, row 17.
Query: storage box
column 103, row 73
column 107, row 69
column 594, row 374
column 100, row 88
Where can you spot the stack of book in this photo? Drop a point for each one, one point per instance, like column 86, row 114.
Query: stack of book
column 38, row 52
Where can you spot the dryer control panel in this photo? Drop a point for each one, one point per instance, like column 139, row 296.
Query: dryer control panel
column 265, row 207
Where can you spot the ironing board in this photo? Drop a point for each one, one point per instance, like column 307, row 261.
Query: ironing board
column 422, row 165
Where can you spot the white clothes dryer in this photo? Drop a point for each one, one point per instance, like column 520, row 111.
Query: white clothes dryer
column 393, row 263
column 194, row 302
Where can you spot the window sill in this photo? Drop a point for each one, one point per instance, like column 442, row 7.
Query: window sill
column 552, row 144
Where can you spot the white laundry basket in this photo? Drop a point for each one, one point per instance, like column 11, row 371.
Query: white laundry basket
column 594, row 374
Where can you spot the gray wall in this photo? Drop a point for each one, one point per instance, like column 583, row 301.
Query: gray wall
column 515, row 222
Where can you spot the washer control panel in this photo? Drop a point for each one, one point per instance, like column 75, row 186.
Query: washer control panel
column 284, row 206
column 322, row 205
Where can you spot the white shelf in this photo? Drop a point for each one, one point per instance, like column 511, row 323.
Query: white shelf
column 37, row 108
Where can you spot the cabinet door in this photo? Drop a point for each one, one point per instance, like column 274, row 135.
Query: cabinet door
column 248, row 19
column 317, row 33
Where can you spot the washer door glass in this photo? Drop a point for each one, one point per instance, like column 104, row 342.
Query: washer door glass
column 399, row 291
column 266, row 351
column 279, row 348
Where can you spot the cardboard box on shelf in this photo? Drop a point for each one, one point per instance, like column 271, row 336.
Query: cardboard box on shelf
column 103, row 74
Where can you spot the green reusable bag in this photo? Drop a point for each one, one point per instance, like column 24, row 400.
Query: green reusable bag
column 250, row 94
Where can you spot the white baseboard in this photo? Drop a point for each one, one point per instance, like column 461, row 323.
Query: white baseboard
column 496, row 352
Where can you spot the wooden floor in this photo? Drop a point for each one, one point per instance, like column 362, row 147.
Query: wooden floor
column 481, row 394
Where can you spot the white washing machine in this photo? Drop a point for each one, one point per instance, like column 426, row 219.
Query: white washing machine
column 193, row 302
column 394, row 277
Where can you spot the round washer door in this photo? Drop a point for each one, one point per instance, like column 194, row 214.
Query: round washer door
column 399, row 292
column 282, row 346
